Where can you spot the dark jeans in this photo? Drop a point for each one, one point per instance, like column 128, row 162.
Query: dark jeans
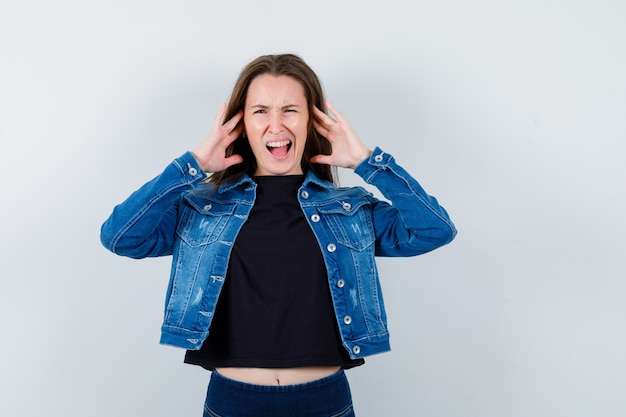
column 326, row 397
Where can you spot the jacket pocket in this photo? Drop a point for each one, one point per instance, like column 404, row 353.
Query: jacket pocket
column 350, row 221
column 200, row 226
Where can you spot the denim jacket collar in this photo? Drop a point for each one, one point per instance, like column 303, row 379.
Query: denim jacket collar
column 234, row 183
column 310, row 178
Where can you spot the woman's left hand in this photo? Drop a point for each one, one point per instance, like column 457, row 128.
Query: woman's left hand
column 347, row 149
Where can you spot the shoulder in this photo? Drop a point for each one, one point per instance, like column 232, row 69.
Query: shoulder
column 207, row 193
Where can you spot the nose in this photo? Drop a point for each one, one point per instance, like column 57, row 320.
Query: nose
column 275, row 123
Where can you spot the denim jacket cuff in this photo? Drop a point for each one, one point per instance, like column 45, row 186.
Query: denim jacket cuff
column 190, row 168
column 378, row 160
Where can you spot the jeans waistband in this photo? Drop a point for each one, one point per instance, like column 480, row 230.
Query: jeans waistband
column 328, row 396
column 337, row 377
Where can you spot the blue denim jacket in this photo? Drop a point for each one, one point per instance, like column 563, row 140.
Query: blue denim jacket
column 178, row 214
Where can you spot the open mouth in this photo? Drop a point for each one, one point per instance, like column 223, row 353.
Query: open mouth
column 279, row 148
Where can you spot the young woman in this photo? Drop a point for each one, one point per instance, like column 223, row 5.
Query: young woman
column 274, row 286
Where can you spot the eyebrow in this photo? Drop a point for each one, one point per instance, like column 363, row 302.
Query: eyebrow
column 264, row 106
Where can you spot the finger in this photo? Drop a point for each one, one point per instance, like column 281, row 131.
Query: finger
column 217, row 121
column 231, row 124
column 232, row 136
column 335, row 112
column 321, row 129
column 321, row 159
column 325, row 125
column 323, row 118
column 233, row 160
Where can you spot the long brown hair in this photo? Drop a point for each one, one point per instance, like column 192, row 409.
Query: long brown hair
column 292, row 66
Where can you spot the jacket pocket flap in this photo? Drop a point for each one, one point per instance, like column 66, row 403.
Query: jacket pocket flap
column 346, row 207
column 210, row 207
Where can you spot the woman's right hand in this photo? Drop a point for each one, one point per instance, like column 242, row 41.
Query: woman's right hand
column 211, row 153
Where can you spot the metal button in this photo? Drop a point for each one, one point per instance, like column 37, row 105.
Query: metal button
column 346, row 206
column 341, row 283
column 347, row 319
column 192, row 171
column 207, row 207
column 331, row 247
column 304, row 194
column 356, row 350
column 315, row 218
column 378, row 158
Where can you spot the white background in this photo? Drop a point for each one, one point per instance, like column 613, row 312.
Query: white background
column 511, row 113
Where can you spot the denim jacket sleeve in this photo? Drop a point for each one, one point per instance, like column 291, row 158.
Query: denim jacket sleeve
column 414, row 222
column 144, row 224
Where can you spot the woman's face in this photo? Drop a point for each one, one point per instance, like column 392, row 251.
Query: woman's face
column 276, row 120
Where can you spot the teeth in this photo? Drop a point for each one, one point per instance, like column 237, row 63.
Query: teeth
column 278, row 144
